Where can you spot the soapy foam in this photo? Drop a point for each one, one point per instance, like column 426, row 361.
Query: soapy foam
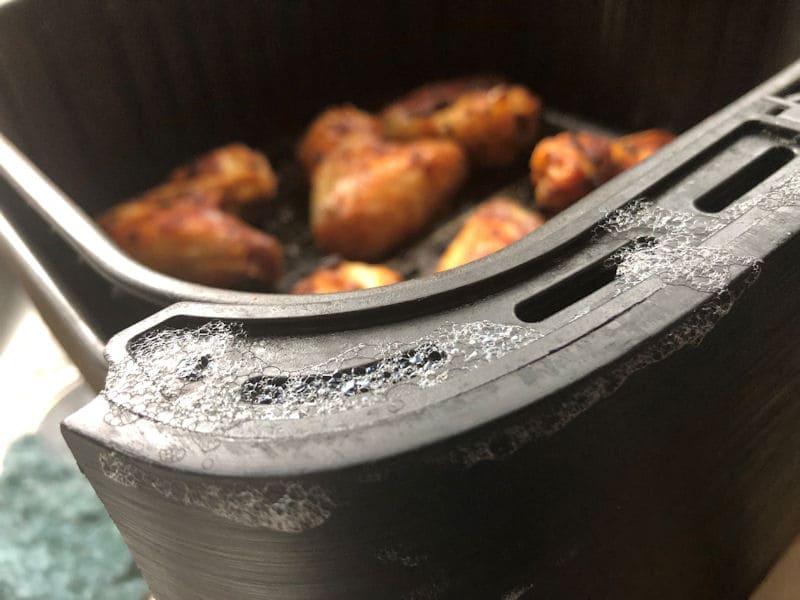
column 214, row 378
column 676, row 258
column 672, row 250
column 289, row 507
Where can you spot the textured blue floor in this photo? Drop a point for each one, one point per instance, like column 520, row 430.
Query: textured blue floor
column 56, row 540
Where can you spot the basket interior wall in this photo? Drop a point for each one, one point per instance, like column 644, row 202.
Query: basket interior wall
column 106, row 96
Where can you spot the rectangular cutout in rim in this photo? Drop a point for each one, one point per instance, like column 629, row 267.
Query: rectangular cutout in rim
column 745, row 179
column 567, row 292
column 575, row 287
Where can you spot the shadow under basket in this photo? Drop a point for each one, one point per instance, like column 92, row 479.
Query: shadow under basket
column 607, row 408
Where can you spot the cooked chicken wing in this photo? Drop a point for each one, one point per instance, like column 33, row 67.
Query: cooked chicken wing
column 330, row 128
column 369, row 196
column 495, row 224
column 566, row 167
column 346, row 277
column 190, row 238
column 493, row 121
column 238, row 176
column 628, row 150
column 183, row 228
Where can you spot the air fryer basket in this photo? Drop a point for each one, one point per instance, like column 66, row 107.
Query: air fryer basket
column 605, row 409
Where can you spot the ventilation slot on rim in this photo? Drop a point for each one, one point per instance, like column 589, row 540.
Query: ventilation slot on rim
column 567, row 292
column 575, row 287
column 745, row 179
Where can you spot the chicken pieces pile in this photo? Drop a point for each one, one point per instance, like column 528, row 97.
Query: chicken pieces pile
column 377, row 181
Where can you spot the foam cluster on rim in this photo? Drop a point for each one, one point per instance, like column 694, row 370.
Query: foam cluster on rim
column 673, row 253
column 286, row 506
column 215, row 377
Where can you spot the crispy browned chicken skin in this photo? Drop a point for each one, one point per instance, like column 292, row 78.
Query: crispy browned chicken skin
column 184, row 227
column 369, row 196
column 495, row 224
column 239, row 176
column 493, row 121
column 566, row 167
column 345, row 277
column 331, row 128
column 190, row 238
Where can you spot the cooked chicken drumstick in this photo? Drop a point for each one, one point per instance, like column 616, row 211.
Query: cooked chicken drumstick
column 495, row 224
column 566, row 167
column 183, row 228
column 329, row 130
column 369, row 196
column 190, row 238
column 492, row 120
column 346, row 277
